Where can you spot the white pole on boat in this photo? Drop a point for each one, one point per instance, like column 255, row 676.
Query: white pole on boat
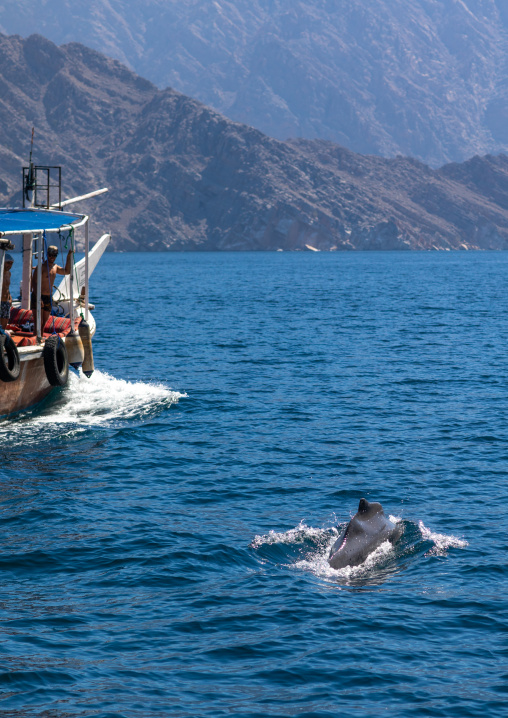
column 5, row 244
column 39, row 287
column 80, row 198
column 71, row 285
column 2, row 262
column 87, row 248
column 26, row 280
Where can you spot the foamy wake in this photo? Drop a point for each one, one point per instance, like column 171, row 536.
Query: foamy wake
column 441, row 542
column 103, row 399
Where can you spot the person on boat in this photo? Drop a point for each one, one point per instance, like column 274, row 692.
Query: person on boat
column 6, row 301
column 48, row 274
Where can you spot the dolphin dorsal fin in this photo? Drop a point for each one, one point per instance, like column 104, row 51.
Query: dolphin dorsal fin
column 363, row 506
column 369, row 509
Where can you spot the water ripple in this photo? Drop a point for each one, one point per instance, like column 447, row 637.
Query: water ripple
column 166, row 525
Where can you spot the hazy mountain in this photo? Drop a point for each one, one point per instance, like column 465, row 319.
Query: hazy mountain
column 181, row 176
column 425, row 78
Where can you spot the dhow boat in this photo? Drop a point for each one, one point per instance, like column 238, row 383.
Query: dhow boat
column 35, row 357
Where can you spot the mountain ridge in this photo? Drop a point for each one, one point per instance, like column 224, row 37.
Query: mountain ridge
column 414, row 77
column 184, row 177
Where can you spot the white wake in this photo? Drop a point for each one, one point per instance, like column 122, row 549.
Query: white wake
column 102, row 399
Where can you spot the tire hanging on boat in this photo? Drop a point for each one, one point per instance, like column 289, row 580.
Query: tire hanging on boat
column 56, row 362
column 9, row 359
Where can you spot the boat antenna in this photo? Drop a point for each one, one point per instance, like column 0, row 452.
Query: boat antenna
column 30, row 177
column 32, row 145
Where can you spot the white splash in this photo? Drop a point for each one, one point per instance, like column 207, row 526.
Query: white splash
column 441, row 542
column 296, row 535
column 317, row 560
column 319, row 566
column 102, row 399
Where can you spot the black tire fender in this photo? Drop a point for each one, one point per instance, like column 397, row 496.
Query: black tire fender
column 9, row 359
column 56, row 362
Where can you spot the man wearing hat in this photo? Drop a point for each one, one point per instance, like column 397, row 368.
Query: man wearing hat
column 6, row 301
column 49, row 272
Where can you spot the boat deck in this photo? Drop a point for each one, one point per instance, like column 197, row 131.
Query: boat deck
column 20, row 319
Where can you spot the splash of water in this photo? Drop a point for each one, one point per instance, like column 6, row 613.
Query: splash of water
column 318, row 563
column 100, row 400
column 316, row 560
column 441, row 542
column 297, row 535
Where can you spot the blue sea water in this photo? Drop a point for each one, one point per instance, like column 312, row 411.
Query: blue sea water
column 164, row 526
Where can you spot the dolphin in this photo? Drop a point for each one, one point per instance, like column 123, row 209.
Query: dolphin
column 367, row 530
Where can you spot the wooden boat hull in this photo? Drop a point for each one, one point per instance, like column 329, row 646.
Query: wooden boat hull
column 29, row 389
column 32, row 386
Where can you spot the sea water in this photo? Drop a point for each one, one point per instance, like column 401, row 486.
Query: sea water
column 165, row 525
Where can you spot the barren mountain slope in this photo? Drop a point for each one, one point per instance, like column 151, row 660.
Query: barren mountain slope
column 181, row 176
column 416, row 77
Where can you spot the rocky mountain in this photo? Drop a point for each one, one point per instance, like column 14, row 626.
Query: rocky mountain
column 424, row 78
column 183, row 177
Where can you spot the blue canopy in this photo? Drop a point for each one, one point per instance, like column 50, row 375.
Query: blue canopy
column 32, row 220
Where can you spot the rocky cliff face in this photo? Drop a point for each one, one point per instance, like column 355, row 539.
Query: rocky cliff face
column 416, row 77
column 181, row 176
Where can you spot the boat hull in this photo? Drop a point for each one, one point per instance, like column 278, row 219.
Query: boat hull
column 29, row 389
